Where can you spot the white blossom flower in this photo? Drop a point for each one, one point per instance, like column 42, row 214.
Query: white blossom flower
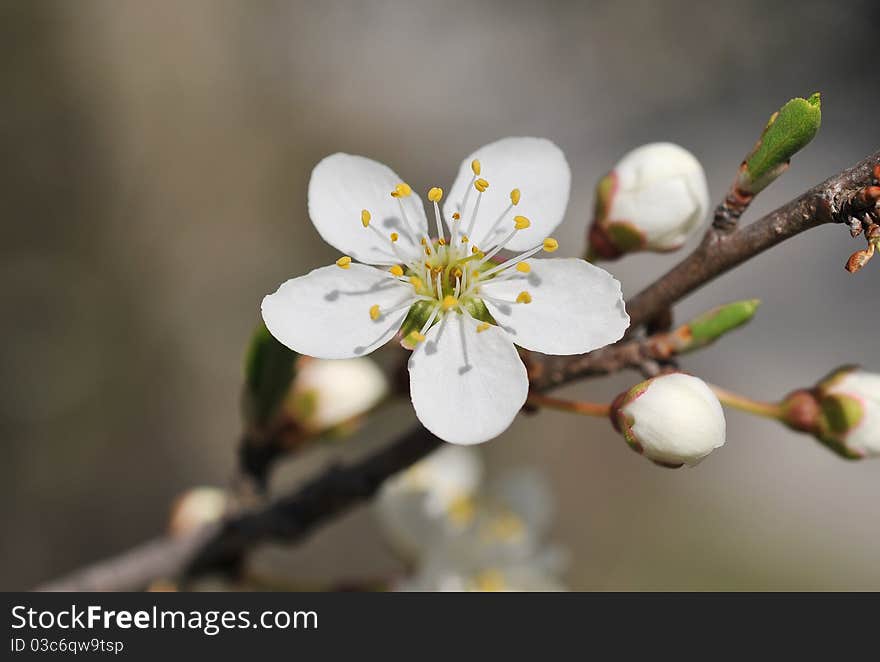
column 327, row 394
column 654, row 199
column 673, row 419
column 461, row 536
column 459, row 309
column 441, row 573
column 850, row 411
column 422, row 504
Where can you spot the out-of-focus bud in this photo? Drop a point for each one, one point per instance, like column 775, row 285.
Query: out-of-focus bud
column 197, row 507
column 654, row 200
column 333, row 395
column 673, row 419
column 268, row 371
column 842, row 411
column 789, row 130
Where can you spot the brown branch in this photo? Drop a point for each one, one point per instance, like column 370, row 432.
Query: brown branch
column 342, row 487
column 833, row 201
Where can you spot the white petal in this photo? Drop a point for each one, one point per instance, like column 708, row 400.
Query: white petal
column 326, row 313
column 535, row 166
column 341, row 187
column 576, row 307
column 466, row 387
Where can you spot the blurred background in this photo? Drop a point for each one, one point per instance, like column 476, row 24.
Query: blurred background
column 155, row 163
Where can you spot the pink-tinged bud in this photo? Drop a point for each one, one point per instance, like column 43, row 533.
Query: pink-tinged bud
column 801, row 411
column 849, row 423
column 673, row 419
column 654, row 200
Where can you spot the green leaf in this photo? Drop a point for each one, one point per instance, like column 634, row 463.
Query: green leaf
column 710, row 326
column 789, row 130
column 269, row 369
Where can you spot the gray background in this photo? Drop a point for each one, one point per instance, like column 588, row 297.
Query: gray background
column 155, row 160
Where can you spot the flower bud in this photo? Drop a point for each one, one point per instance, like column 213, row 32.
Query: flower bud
column 789, row 130
column 673, row 419
column 846, row 417
column 654, row 200
column 330, row 394
column 197, row 507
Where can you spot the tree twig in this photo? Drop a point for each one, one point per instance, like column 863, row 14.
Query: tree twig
column 340, row 488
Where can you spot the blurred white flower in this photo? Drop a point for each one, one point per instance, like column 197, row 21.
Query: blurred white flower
column 460, row 536
column 655, row 199
column 459, row 310
column 326, row 394
column 197, row 507
column 417, row 506
column 673, row 419
column 850, row 411
column 442, row 573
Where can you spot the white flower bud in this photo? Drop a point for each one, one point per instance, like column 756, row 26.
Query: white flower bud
column 850, row 405
column 329, row 393
column 197, row 507
column 673, row 419
column 655, row 199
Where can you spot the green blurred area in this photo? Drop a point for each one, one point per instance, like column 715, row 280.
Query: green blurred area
column 155, row 163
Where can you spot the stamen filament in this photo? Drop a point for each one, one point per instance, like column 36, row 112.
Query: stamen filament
column 430, row 319
column 470, row 228
column 488, row 256
column 512, row 261
column 397, row 252
column 495, row 225
column 467, row 194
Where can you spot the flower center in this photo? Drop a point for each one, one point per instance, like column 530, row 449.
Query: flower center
column 446, row 272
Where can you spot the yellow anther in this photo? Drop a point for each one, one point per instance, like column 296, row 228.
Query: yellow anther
column 441, row 241
column 475, row 274
column 474, row 250
column 416, row 282
column 394, row 236
column 514, row 196
column 365, row 218
column 344, row 262
column 423, row 241
column 521, row 222
column 490, row 581
column 374, row 312
column 550, row 244
column 456, row 216
column 397, row 270
column 505, row 527
column 523, row 297
column 449, row 301
column 415, row 337
column 481, row 185
column 475, row 166
column 457, row 272
column 402, row 190
column 464, row 239
column 461, row 510
column 483, row 326
column 435, row 194
column 427, row 251
column 523, row 267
